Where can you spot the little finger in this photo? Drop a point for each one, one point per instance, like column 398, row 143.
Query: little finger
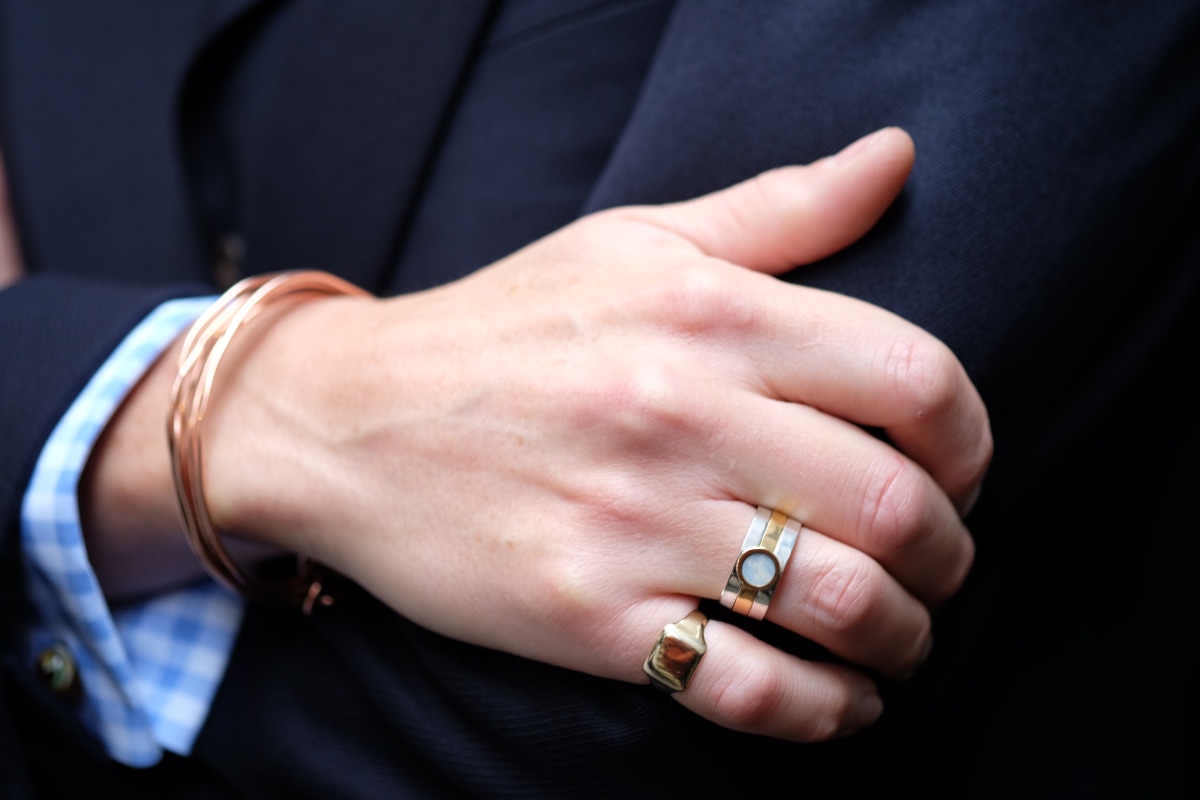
column 746, row 685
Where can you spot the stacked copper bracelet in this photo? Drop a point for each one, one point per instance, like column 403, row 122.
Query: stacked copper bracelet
column 203, row 347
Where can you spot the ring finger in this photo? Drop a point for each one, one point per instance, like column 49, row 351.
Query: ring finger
column 828, row 591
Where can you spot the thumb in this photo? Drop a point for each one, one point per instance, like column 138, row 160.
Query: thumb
column 796, row 215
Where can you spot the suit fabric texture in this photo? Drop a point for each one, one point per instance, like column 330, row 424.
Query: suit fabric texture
column 1048, row 235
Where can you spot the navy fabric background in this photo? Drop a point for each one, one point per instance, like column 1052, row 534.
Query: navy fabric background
column 1048, row 234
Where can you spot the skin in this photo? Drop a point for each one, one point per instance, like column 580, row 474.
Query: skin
column 559, row 454
column 11, row 265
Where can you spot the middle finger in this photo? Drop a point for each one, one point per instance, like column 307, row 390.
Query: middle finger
column 837, row 478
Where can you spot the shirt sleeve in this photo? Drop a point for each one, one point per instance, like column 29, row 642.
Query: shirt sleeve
column 148, row 671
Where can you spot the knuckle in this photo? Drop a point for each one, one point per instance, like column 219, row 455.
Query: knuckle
column 840, row 709
column 763, row 194
column 782, row 196
column 616, row 500
column 567, row 593
column 769, row 697
column 702, row 297
column 648, row 403
column 561, row 594
column 648, row 400
column 746, row 208
column 892, row 505
column 748, row 700
column 767, row 193
column 633, row 398
column 753, row 699
column 846, row 596
column 924, row 377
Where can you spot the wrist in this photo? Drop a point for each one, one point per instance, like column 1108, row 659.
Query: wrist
column 270, row 435
column 126, row 498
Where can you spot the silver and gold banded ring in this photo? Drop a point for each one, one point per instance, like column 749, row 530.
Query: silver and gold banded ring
column 759, row 566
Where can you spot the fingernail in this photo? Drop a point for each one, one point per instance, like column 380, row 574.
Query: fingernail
column 921, row 659
column 856, row 149
column 972, row 499
column 925, row 651
column 869, row 709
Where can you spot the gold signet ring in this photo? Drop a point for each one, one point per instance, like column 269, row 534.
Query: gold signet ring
column 677, row 653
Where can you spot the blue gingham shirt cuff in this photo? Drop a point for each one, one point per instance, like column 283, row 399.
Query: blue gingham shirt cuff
column 149, row 671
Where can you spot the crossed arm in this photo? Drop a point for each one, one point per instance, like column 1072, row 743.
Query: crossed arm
column 560, row 454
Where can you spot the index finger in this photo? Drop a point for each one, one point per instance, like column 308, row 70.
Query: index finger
column 842, row 356
column 859, row 362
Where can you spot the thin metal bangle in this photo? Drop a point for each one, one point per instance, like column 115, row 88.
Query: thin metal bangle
column 204, row 346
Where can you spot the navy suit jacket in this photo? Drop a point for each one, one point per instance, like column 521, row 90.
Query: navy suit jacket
column 1049, row 235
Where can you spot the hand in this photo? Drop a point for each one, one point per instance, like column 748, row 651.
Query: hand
column 558, row 455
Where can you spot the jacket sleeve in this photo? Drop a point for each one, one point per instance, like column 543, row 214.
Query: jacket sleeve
column 54, row 333
column 148, row 669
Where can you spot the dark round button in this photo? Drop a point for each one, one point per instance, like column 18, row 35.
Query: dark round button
column 56, row 668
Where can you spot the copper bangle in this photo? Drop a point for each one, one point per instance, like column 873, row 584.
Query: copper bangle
column 204, row 345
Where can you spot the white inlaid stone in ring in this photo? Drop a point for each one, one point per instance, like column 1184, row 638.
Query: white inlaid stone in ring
column 759, row 569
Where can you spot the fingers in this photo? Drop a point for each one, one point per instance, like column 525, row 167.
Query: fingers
column 747, row 685
column 795, row 215
column 830, row 593
column 833, row 595
column 848, row 358
column 843, row 356
column 838, row 479
column 846, row 602
column 834, row 353
column 861, row 363
column 732, row 444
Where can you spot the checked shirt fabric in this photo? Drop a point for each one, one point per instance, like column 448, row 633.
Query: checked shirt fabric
column 149, row 670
